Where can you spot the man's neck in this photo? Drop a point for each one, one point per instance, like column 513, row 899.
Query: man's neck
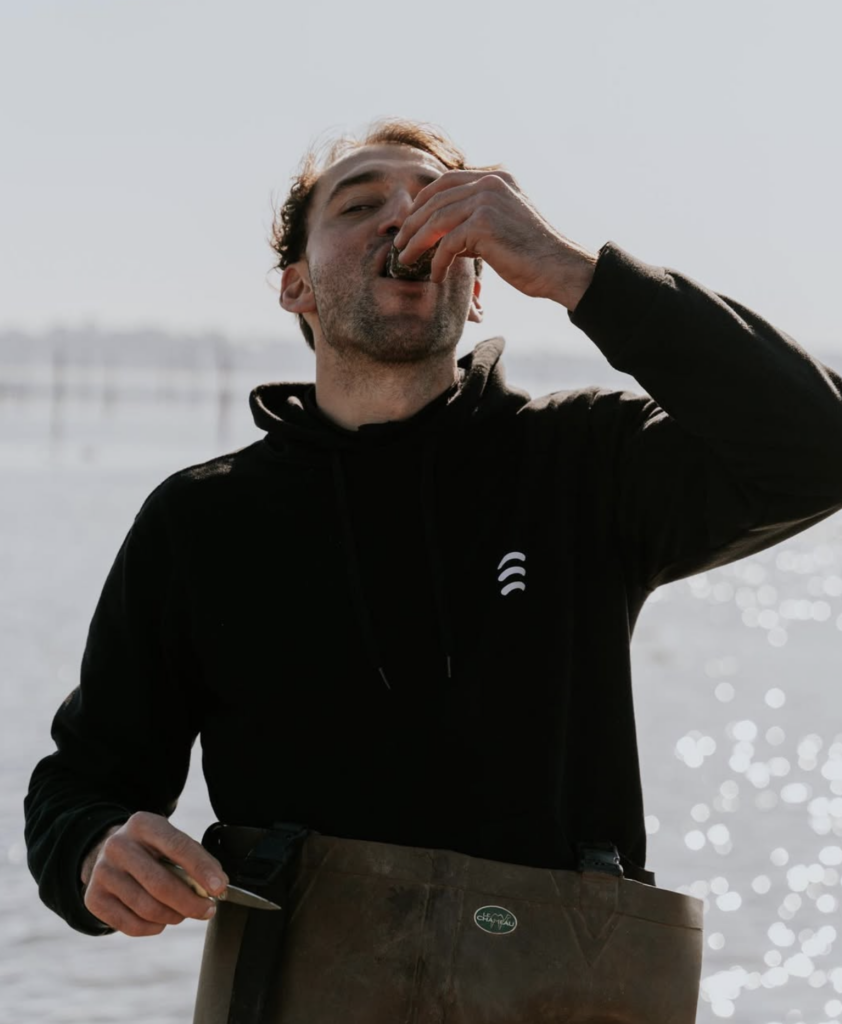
column 352, row 394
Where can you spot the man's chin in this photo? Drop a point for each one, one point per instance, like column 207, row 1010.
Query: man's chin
column 402, row 338
column 404, row 349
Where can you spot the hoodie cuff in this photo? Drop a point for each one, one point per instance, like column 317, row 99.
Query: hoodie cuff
column 70, row 902
column 617, row 301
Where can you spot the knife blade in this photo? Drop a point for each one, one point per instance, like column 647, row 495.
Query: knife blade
column 233, row 894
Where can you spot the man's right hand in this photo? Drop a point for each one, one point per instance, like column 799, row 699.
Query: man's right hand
column 128, row 888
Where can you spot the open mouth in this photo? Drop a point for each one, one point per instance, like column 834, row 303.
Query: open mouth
column 383, row 263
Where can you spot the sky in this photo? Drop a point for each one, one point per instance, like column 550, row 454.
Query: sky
column 145, row 143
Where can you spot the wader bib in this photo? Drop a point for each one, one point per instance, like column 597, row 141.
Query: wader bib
column 373, row 933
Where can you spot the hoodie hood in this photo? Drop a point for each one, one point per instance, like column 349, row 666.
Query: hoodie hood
column 290, row 416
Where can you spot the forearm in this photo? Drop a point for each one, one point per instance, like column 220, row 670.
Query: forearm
column 769, row 410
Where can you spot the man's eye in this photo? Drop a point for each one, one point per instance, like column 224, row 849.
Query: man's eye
column 357, row 207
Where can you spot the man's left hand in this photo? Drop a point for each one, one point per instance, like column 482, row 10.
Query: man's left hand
column 480, row 213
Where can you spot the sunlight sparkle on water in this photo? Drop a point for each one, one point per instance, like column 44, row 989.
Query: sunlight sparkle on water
column 729, row 901
column 693, row 748
column 780, row 596
column 694, row 840
column 796, row 793
column 718, row 834
column 780, row 934
column 724, row 692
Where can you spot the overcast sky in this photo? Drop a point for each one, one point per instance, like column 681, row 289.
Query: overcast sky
column 145, row 140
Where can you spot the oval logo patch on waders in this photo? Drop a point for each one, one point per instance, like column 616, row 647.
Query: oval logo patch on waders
column 495, row 920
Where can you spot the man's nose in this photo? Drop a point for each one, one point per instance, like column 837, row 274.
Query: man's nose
column 395, row 213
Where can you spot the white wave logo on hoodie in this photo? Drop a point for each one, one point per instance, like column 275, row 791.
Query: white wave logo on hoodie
column 513, row 570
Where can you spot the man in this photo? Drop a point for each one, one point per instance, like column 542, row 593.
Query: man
column 403, row 617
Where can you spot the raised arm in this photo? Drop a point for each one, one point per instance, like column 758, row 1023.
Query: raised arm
column 739, row 445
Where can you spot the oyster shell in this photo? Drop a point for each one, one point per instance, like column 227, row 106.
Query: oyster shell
column 417, row 271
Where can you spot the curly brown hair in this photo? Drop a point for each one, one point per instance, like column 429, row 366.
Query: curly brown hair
column 289, row 229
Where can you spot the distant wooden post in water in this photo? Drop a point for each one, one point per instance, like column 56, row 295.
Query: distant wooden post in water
column 58, row 396
column 224, row 392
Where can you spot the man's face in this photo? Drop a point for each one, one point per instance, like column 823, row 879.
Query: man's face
column 357, row 207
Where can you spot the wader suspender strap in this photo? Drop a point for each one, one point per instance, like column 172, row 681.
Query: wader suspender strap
column 268, row 871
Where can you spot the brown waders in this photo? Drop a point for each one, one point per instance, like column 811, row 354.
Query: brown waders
column 374, row 933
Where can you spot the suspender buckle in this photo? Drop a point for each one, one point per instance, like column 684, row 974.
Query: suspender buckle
column 603, row 857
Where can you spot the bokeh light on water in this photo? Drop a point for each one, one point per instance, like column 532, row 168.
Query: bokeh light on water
column 758, row 763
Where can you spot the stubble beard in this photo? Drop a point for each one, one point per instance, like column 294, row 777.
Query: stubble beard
column 353, row 325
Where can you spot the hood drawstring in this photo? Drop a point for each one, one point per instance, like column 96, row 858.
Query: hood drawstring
column 353, row 565
column 361, row 608
column 428, row 489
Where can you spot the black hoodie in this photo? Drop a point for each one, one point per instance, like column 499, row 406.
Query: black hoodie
column 419, row 632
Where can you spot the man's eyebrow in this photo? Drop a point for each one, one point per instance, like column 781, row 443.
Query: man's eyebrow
column 367, row 177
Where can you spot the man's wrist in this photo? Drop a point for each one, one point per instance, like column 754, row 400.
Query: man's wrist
column 91, row 856
column 575, row 272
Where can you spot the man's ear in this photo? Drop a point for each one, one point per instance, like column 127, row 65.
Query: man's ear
column 297, row 295
column 475, row 312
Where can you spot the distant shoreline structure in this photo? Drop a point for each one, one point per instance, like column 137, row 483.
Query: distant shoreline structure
column 90, row 364
column 74, row 379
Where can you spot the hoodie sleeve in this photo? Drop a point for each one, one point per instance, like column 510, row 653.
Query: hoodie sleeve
column 739, row 445
column 123, row 737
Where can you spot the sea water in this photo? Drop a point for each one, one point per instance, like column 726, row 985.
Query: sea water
column 738, row 694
